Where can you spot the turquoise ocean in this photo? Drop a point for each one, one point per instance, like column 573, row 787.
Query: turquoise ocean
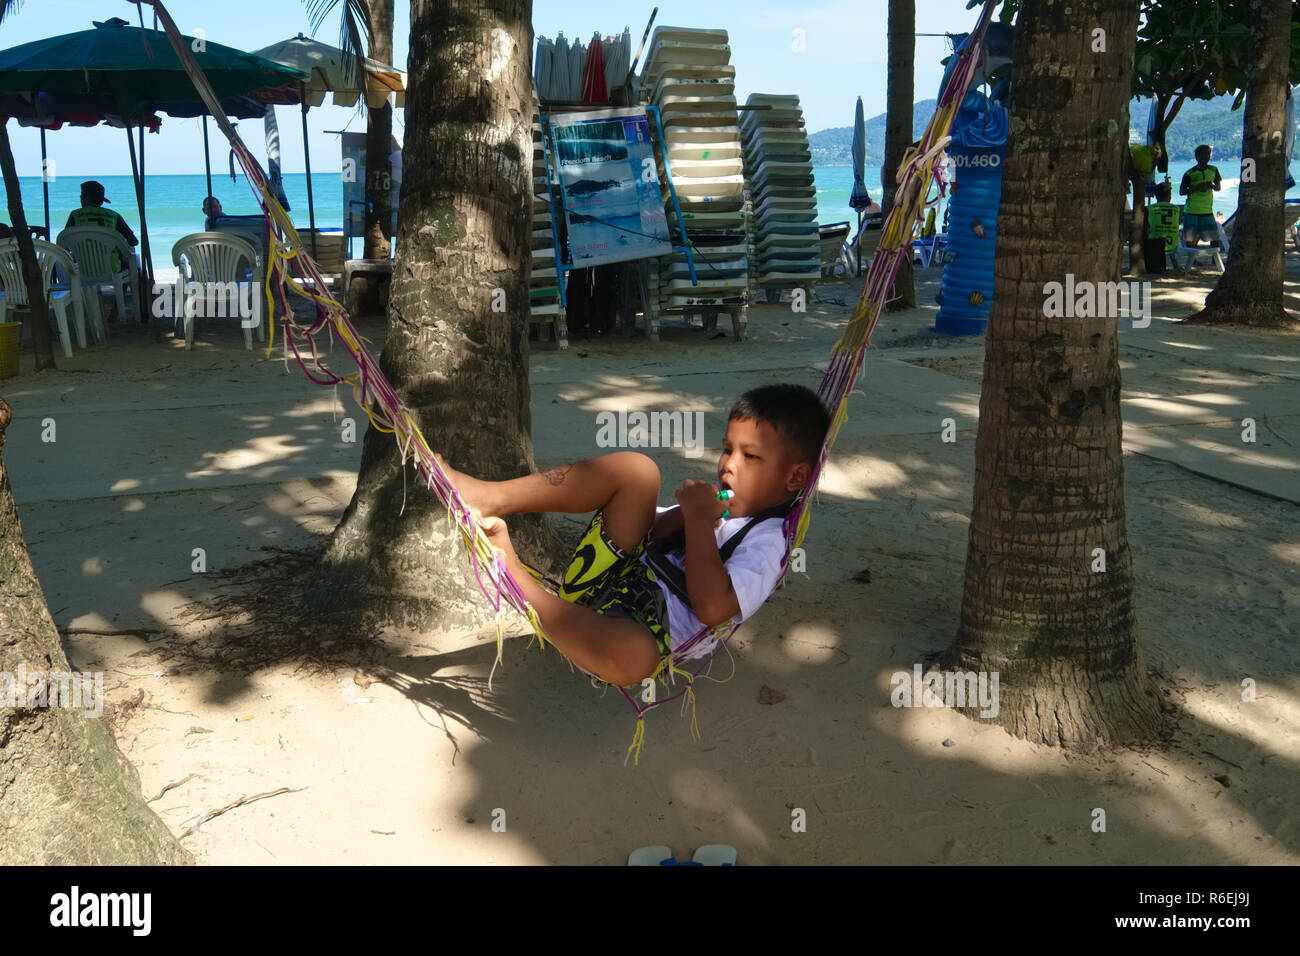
column 173, row 202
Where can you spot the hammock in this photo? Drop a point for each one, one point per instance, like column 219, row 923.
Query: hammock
column 289, row 265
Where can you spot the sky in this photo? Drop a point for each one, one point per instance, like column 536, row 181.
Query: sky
column 842, row 57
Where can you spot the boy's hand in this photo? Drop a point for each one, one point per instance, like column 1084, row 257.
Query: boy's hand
column 497, row 534
column 667, row 523
column 699, row 502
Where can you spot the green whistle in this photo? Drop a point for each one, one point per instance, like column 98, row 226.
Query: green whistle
column 726, row 494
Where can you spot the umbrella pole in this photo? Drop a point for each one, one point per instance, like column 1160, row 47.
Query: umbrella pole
column 45, row 186
column 207, row 155
column 306, row 152
column 144, row 234
column 144, row 226
column 858, row 244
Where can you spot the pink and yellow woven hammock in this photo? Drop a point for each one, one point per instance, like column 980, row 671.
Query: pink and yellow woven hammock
column 289, row 265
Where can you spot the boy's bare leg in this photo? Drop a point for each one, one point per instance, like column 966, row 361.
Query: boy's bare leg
column 617, row 650
column 625, row 485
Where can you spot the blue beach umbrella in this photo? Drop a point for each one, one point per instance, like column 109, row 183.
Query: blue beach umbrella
column 859, row 199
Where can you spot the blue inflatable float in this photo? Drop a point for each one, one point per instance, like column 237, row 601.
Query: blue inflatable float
column 978, row 147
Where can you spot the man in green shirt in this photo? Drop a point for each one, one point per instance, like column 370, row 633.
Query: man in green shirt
column 93, row 213
column 1199, row 185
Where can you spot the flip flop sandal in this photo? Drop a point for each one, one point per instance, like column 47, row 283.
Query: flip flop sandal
column 715, row 854
column 652, row 856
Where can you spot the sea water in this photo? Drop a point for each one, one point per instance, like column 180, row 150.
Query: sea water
column 173, row 203
column 835, row 185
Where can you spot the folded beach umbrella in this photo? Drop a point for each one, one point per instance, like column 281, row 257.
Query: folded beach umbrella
column 539, row 63
column 618, row 54
column 272, row 132
column 577, row 63
column 860, row 198
column 558, row 87
column 594, row 89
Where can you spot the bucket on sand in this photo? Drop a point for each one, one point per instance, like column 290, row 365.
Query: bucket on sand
column 9, row 348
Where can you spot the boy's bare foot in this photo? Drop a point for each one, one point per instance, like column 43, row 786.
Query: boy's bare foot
column 474, row 492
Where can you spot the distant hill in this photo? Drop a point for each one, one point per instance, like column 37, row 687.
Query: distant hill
column 1199, row 121
column 831, row 146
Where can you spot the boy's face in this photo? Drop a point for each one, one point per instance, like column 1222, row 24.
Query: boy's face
column 758, row 466
column 1202, row 156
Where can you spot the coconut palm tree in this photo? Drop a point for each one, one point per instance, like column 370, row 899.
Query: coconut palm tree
column 461, row 366
column 75, row 798
column 899, row 111
column 1048, row 599
column 1250, row 290
column 373, row 20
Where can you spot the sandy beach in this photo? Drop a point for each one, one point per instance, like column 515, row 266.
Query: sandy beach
column 396, row 750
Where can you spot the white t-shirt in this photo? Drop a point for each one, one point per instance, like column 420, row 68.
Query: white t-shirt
column 754, row 568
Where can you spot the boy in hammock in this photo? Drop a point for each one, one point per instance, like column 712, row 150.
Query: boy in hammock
column 643, row 580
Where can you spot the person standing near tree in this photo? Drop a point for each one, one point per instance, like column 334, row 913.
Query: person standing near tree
column 1198, row 215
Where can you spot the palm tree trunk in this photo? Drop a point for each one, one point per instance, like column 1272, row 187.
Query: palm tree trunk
column 461, row 367
column 1250, row 290
column 1049, row 475
column 69, row 796
column 379, row 167
column 1136, row 233
column 899, row 109
column 42, row 340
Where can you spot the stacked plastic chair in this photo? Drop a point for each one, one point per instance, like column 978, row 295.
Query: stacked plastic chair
column 688, row 76
column 778, row 168
column 546, row 310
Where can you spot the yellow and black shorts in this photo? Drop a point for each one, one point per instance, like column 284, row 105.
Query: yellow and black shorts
column 610, row 581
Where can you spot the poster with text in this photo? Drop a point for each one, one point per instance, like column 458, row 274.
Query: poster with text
column 610, row 184
column 354, row 182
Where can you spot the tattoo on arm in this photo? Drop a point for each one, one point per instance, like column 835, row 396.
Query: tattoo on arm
column 556, row 475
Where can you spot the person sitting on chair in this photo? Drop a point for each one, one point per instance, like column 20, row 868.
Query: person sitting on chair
column 1162, row 228
column 93, row 213
column 213, row 211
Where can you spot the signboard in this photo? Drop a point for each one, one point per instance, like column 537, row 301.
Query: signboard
column 610, row 185
column 354, row 183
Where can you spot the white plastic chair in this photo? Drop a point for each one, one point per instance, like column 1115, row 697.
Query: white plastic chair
column 13, row 290
column 1189, row 254
column 218, row 258
column 93, row 247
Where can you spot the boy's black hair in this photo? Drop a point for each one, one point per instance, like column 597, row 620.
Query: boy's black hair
column 794, row 411
column 1163, row 192
column 1203, row 146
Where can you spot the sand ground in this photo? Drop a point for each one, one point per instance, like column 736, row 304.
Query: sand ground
column 160, row 451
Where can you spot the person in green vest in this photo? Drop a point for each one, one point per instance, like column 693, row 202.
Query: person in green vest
column 93, row 213
column 1199, row 185
column 1162, row 228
